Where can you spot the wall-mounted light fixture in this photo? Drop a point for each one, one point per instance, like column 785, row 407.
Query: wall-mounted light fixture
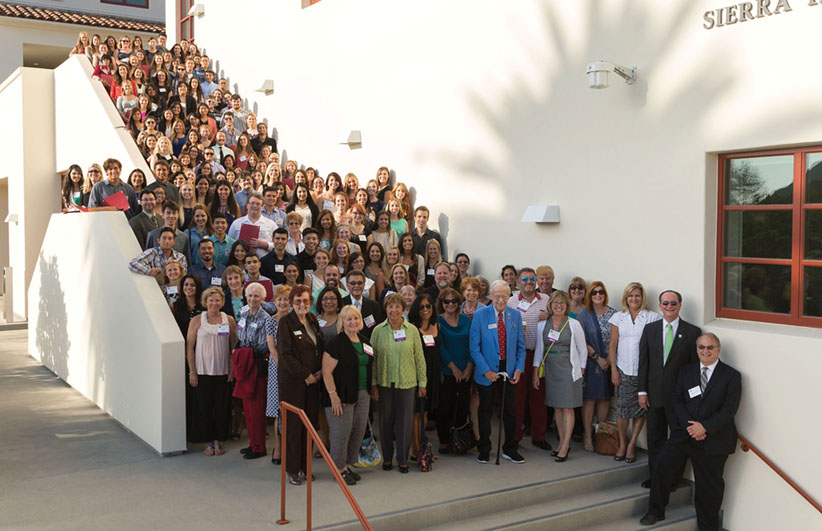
column 598, row 74
column 541, row 214
column 267, row 88
column 197, row 10
column 354, row 140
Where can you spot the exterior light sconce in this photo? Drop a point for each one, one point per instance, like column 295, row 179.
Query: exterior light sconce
column 197, row 10
column 541, row 214
column 598, row 74
column 354, row 140
column 267, row 88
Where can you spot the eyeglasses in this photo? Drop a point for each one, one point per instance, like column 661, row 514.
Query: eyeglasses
column 209, row 154
column 598, row 292
column 93, row 171
column 425, row 306
column 706, row 347
column 355, row 283
column 330, row 299
column 298, row 302
column 669, row 303
column 528, row 279
column 450, row 301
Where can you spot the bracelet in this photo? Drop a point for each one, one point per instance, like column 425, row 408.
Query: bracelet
column 334, row 392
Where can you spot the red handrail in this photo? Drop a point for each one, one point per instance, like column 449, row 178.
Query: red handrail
column 746, row 445
column 313, row 436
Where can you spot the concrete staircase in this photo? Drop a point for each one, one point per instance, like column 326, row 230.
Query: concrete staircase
column 605, row 500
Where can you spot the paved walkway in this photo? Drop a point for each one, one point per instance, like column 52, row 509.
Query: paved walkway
column 64, row 464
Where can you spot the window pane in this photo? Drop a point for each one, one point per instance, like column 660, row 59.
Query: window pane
column 758, row 234
column 813, row 178
column 759, row 181
column 813, row 292
column 760, row 288
column 813, row 234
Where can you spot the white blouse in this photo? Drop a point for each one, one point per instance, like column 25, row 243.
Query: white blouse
column 629, row 334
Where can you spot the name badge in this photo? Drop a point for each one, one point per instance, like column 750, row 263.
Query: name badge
column 406, row 266
column 389, row 292
column 428, row 340
column 298, row 333
column 342, row 269
column 322, row 322
column 430, row 272
column 222, row 330
column 216, row 281
column 553, row 336
column 368, row 349
column 362, row 237
column 492, row 326
column 369, row 321
column 523, row 305
column 241, row 324
column 694, row 391
column 307, row 272
column 399, row 335
column 227, row 252
column 172, row 290
column 253, row 325
column 279, row 268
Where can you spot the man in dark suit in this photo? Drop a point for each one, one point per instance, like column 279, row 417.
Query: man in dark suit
column 665, row 346
column 705, row 401
column 371, row 311
column 145, row 221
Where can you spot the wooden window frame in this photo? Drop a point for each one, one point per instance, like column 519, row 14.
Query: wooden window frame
column 797, row 262
column 123, row 3
column 183, row 16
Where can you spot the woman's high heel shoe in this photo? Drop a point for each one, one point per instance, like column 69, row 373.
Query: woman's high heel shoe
column 561, row 459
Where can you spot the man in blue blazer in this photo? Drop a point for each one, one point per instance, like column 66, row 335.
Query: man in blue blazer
column 705, row 400
column 490, row 324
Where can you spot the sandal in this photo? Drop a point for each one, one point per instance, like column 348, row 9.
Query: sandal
column 218, row 449
column 294, row 479
column 630, row 460
column 209, row 450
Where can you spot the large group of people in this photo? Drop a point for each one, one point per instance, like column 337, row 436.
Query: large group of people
column 337, row 298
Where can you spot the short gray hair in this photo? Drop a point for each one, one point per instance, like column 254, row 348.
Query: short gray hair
column 255, row 286
column 498, row 283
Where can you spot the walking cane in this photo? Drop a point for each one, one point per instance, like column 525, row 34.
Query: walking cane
column 502, row 376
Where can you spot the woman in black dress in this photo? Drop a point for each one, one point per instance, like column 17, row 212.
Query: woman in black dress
column 423, row 315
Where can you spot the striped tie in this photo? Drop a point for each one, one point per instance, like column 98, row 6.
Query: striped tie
column 703, row 380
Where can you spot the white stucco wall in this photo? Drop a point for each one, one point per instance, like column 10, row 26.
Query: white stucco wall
column 483, row 107
column 106, row 331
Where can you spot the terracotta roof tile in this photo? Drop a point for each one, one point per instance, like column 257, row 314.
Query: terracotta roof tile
column 71, row 17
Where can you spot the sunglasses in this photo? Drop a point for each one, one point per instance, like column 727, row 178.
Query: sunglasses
column 706, row 347
column 450, row 301
column 425, row 306
column 528, row 279
column 576, row 287
column 669, row 303
column 598, row 292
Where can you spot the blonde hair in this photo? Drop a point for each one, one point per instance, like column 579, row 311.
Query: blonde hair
column 344, row 313
column 211, row 291
column 559, row 294
column 628, row 289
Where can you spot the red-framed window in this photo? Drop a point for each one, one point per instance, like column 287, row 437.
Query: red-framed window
column 127, row 3
column 185, row 22
column 769, row 243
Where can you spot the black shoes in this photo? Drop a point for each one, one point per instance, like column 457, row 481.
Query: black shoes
column 646, row 484
column 483, row 459
column 246, row 450
column 514, row 457
column 348, row 478
column 650, row 519
column 542, row 444
column 254, row 455
column 387, row 466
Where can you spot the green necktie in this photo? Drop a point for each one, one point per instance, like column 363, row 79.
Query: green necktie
column 669, row 340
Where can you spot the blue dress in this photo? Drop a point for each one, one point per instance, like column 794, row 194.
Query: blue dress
column 597, row 336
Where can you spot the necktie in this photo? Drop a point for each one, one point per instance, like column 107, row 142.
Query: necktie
column 669, row 340
column 501, row 335
column 358, row 305
column 703, row 380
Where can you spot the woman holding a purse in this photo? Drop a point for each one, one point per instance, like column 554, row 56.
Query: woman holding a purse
column 346, row 368
column 300, row 346
column 561, row 349
column 251, row 334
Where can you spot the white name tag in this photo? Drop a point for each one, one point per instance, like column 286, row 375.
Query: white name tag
column 252, row 325
column 308, row 272
column 172, row 290
column 399, row 335
column 362, row 237
column 406, row 266
column 222, row 330
column 279, row 268
column 369, row 321
column 694, row 391
column 241, row 324
column 342, row 269
column 428, row 340
column 368, row 349
column 430, row 272
column 492, row 326
column 216, row 281
column 227, row 252
column 523, row 305
column 298, row 333
column 553, row 336
column 322, row 322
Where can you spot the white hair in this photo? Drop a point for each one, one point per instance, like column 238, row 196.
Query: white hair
column 255, row 286
column 498, row 283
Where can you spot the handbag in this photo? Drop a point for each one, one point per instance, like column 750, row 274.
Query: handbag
column 607, row 441
column 462, row 438
column 541, row 371
column 369, row 454
column 426, row 455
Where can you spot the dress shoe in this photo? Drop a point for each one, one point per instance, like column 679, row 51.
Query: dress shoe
column 246, row 450
column 254, row 455
column 542, row 444
column 354, row 475
column 275, row 461
column 646, row 484
column 650, row 519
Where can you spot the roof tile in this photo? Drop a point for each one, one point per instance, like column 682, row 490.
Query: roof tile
column 8, row 9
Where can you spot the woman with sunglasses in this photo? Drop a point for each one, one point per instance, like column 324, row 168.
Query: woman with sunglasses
column 595, row 395
column 423, row 315
column 456, row 365
column 576, row 290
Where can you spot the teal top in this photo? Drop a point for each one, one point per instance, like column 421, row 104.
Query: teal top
column 363, row 357
column 400, row 227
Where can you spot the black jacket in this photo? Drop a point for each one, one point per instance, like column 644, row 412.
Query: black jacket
column 347, row 372
column 654, row 378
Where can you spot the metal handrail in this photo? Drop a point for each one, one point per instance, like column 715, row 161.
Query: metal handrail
column 746, row 445
column 313, row 436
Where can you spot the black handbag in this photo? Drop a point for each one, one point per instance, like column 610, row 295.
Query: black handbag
column 462, row 439
column 262, row 363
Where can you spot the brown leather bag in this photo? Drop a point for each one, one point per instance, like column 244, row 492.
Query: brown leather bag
column 607, row 440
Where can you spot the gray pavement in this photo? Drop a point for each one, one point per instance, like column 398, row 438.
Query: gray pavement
column 64, row 464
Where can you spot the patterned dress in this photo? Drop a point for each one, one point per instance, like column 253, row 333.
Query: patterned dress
column 272, row 404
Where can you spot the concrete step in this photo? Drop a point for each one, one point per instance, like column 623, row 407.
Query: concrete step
column 678, row 518
column 577, row 502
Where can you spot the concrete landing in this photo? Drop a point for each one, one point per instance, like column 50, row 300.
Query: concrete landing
column 65, row 464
